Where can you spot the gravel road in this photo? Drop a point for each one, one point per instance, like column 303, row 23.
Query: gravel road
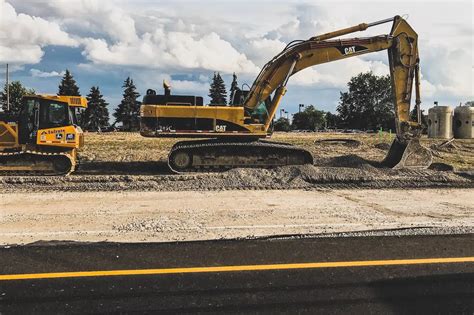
column 139, row 216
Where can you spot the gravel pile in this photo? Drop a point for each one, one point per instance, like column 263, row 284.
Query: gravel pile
column 341, row 172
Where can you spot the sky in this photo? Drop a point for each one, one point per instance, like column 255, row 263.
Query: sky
column 185, row 42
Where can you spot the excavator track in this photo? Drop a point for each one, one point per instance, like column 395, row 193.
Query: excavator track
column 218, row 155
column 36, row 163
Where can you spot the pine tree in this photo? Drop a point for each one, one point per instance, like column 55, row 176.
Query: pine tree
column 16, row 91
column 217, row 92
column 128, row 111
column 96, row 116
column 68, row 85
column 233, row 87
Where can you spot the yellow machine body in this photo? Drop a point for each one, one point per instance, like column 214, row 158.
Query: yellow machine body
column 232, row 116
column 61, row 137
column 43, row 138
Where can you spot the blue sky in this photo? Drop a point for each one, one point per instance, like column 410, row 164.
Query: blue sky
column 103, row 42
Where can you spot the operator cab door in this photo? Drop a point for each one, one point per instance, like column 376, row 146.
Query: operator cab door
column 53, row 114
column 28, row 121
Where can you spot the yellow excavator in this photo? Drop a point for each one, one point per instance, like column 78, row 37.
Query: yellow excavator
column 43, row 138
column 236, row 132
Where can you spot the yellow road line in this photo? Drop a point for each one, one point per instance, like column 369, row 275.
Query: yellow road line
column 162, row 271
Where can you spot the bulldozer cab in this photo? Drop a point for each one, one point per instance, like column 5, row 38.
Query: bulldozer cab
column 39, row 113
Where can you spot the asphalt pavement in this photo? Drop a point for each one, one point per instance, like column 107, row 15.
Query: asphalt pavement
column 408, row 274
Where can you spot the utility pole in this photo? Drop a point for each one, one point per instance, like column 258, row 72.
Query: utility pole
column 8, row 92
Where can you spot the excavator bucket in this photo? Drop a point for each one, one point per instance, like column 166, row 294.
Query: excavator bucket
column 409, row 154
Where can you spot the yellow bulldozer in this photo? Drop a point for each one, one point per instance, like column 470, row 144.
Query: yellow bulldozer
column 234, row 132
column 43, row 138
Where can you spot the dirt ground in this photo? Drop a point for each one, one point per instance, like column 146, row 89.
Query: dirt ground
column 127, row 161
column 131, row 147
column 123, row 191
column 176, row 216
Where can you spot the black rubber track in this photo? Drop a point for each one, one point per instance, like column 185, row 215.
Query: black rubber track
column 253, row 154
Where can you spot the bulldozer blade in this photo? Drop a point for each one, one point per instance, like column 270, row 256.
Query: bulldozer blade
column 409, row 154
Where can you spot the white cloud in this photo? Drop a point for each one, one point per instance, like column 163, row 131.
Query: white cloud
column 163, row 42
column 172, row 50
column 42, row 74
column 22, row 36
column 452, row 77
column 337, row 74
column 20, row 54
column 143, row 38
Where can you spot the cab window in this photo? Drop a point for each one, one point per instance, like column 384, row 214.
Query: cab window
column 54, row 114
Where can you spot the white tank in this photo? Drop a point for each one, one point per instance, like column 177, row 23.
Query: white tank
column 440, row 122
column 463, row 123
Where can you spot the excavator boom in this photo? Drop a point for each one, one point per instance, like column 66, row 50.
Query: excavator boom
column 402, row 48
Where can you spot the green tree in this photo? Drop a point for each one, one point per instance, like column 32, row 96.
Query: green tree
column 233, row 87
column 282, row 124
column 332, row 120
column 309, row 119
column 217, row 92
column 414, row 116
column 424, row 123
column 96, row 115
column 470, row 103
column 68, row 85
column 128, row 111
column 16, row 91
column 368, row 104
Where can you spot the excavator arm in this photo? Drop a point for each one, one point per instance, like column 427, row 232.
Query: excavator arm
column 402, row 48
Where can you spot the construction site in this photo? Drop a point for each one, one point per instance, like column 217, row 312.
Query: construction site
column 198, row 174
column 126, row 196
column 45, row 153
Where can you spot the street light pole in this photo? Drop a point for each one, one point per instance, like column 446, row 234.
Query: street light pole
column 8, row 91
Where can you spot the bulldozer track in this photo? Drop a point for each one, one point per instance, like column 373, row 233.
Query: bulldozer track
column 36, row 154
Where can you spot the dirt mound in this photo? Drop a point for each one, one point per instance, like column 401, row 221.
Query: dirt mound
column 347, row 161
column 351, row 172
column 382, row 146
column 441, row 167
column 344, row 142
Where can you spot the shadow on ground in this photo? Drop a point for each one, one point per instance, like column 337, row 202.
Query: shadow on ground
column 351, row 161
column 124, row 168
